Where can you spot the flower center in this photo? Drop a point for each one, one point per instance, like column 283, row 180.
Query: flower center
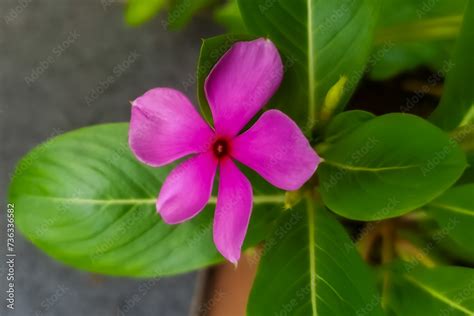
column 220, row 148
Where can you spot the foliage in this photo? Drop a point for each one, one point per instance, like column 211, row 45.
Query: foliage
column 85, row 200
column 383, row 227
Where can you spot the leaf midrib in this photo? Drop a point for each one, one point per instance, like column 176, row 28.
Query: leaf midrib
column 366, row 168
column 311, row 63
column 258, row 199
column 455, row 209
column 312, row 254
column 437, row 295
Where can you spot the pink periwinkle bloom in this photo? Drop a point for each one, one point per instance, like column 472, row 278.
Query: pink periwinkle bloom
column 165, row 127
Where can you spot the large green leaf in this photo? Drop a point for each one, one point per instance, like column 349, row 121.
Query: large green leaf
column 388, row 166
column 454, row 212
column 411, row 33
column 457, row 104
column 310, row 267
column 323, row 42
column 84, row 199
column 436, row 291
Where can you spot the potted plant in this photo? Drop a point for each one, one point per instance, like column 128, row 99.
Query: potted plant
column 345, row 212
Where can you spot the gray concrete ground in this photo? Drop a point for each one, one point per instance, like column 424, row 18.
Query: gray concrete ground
column 54, row 56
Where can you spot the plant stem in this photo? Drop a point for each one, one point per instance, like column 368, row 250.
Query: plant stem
column 388, row 250
column 408, row 251
column 425, row 30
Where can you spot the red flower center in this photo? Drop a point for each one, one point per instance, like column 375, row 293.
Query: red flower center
column 220, row 148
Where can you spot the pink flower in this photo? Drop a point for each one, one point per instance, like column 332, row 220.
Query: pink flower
column 165, row 127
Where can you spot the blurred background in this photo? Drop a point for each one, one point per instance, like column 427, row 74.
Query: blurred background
column 66, row 65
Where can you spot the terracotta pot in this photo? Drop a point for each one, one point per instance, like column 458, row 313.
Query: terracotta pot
column 223, row 290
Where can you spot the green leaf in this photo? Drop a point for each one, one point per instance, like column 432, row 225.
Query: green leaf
column 457, row 103
column 343, row 124
column 321, row 41
column 311, row 267
column 436, row 291
column 434, row 243
column 464, row 136
column 229, row 16
column 212, row 50
column 140, row 11
column 85, row 200
column 413, row 33
column 388, row 166
column 181, row 11
column 454, row 212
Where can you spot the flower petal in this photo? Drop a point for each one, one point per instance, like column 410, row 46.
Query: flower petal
column 187, row 189
column 234, row 205
column 276, row 148
column 165, row 127
column 241, row 83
